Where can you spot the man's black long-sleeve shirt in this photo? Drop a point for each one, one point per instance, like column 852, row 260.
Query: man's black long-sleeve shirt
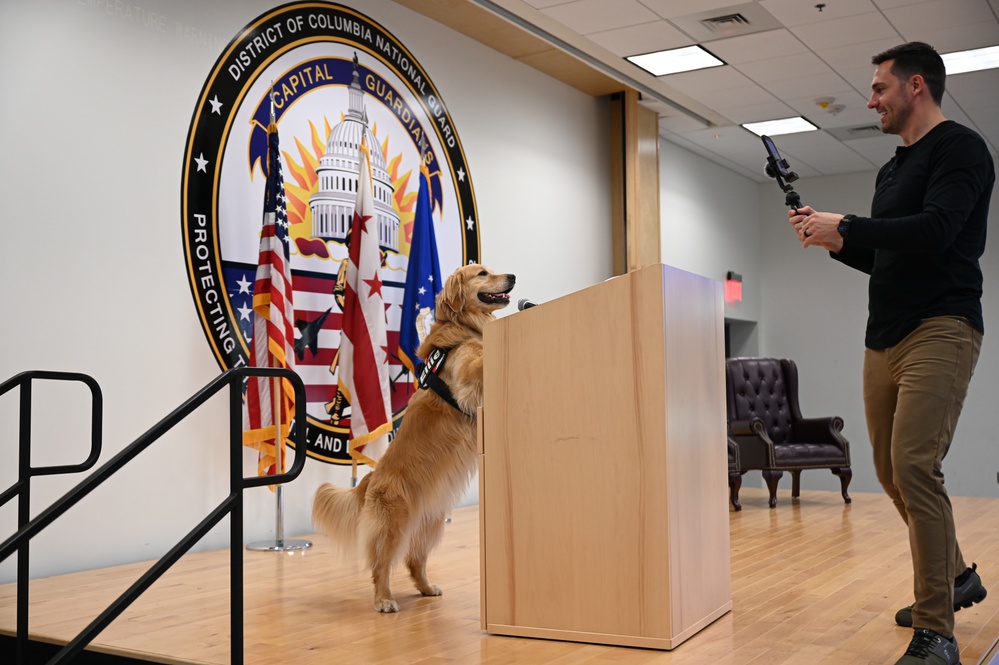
column 926, row 232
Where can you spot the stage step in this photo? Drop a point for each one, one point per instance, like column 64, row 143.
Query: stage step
column 42, row 652
column 834, row 603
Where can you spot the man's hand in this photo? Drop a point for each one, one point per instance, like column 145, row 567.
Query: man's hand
column 817, row 228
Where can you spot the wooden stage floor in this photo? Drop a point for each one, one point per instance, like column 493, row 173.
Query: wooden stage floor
column 814, row 582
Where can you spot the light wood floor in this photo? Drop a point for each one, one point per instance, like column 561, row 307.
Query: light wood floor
column 814, row 581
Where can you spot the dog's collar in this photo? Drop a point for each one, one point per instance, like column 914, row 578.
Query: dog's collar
column 429, row 379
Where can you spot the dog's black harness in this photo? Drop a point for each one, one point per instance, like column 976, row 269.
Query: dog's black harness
column 429, row 379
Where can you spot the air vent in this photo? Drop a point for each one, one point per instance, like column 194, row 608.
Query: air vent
column 866, row 130
column 725, row 23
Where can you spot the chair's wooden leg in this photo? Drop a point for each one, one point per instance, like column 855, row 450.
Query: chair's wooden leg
column 772, row 476
column 845, row 474
column 796, row 484
column 734, row 485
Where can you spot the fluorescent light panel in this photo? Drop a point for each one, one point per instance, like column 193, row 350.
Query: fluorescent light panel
column 676, row 60
column 974, row 60
column 782, row 126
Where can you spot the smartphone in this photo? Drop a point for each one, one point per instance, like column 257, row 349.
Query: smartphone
column 779, row 164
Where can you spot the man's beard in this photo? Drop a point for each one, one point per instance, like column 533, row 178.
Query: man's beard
column 897, row 119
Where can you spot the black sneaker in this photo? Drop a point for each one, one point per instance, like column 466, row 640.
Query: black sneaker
column 930, row 648
column 966, row 593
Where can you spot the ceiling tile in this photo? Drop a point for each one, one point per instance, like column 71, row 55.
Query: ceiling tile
column 876, row 149
column 845, row 31
column 858, row 54
column 638, row 39
column 816, row 85
column 749, row 95
column 758, row 46
column 734, row 143
column 720, row 86
column 855, row 113
column 888, row 4
column 851, row 116
column 819, row 151
column 751, row 170
column 916, row 21
column 962, row 37
column 796, row 12
column 586, row 16
column 860, row 78
column 779, row 69
column 541, row 4
column 974, row 89
column 675, row 8
column 742, row 113
column 716, row 78
column 782, row 58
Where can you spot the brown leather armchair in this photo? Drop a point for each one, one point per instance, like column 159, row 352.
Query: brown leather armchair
column 764, row 421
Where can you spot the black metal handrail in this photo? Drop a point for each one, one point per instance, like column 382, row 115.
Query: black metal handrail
column 232, row 504
column 25, row 472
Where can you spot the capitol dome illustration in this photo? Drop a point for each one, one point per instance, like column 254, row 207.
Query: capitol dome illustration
column 333, row 204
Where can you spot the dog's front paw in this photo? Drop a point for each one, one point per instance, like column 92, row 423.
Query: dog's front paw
column 386, row 605
column 432, row 590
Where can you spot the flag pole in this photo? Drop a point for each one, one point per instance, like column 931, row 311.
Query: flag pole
column 279, row 544
column 278, row 465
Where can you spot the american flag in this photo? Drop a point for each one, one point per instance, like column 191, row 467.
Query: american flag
column 363, row 373
column 423, row 278
column 273, row 322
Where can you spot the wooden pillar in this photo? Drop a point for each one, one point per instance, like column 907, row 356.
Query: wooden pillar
column 635, row 190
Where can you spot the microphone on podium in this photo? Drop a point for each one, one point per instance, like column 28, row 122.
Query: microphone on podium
column 524, row 303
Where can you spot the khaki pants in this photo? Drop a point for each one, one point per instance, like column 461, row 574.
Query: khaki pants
column 913, row 394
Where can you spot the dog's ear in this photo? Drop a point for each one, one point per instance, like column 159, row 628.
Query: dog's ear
column 451, row 299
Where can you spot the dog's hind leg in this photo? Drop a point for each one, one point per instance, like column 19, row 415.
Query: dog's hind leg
column 427, row 537
column 384, row 540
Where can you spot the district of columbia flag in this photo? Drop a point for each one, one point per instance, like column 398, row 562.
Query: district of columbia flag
column 273, row 324
column 423, row 279
column 363, row 373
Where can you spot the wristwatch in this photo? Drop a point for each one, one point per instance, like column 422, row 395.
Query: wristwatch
column 844, row 225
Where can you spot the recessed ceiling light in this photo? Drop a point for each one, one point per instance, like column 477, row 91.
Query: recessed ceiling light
column 974, row 60
column 782, row 126
column 675, row 60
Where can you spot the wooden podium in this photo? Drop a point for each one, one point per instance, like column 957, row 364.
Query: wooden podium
column 603, row 484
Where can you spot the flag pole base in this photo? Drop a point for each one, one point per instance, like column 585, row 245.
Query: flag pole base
column 279, row 545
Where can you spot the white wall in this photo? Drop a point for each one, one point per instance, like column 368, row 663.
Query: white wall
column 710, row 224
column 95, row 116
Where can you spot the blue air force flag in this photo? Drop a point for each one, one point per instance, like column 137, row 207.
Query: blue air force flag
column 423, row 279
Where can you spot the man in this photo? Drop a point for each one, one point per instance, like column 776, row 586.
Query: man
column 921, row 247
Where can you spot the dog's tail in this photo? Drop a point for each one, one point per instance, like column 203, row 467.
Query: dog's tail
column 336, row 512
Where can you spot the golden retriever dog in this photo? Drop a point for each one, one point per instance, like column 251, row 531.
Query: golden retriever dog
column 399, row 509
